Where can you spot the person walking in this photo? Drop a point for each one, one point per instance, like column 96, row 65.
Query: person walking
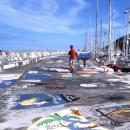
column 72, row 56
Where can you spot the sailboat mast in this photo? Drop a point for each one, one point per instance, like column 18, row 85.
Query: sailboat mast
column 101, row 46
column 96, row 33
column 86, row 41
column 126, row 45
column 90, row 40
column 110, row 30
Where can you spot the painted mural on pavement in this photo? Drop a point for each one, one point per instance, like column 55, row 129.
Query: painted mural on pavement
column 9, row 76
column 86, row 72
column 56, row 70
column 28, row 101
column 36, row 76
column 118, row 114
column 56, row 84
column 6, row 83
column 65, row 120
column 6, row 80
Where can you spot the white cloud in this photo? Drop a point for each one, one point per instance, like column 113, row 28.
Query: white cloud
column 35, row 7
column 24, row 16
column 76, row 9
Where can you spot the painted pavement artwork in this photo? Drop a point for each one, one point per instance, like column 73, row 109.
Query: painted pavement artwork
column 27, row 101
column 56, row 84
column 9, row 76
column 6, row 83
column 36, row 76
column 6, row 80
column 86, row 72
column 65, row 120
column 119, row 114
column 56, row 70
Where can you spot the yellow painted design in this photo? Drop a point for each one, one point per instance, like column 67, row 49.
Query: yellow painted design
column 86, row 72
column 119, row 111
column 28, row 102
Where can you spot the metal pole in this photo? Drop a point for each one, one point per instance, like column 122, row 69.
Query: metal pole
column 90, row 35
column 110, row 30
column 86, row 41
column 127, row 12
column 101, row 46
column 96, row 35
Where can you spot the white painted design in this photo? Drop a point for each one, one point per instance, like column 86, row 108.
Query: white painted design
column 59, row 70
column 125, row 81
column 56, row 69
column 39, row 103
column 59, row 61
column 85, row 75
column 107, row 69
column 44, row 68
column 97, row 68
column 31, row 81
column 32, row 72
column 114, row 80
column 66, row 75
column 9, row 76
column 88, row 85
column 127, row 86
column 25, row 86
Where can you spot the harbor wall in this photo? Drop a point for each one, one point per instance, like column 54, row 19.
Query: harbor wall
column 12, row 59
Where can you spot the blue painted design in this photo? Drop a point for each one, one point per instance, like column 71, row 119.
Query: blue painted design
column 37, row 76
column 71, row 125
column 6, row 83
column 27, row 101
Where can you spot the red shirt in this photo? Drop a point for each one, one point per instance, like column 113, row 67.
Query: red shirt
column 72, row 54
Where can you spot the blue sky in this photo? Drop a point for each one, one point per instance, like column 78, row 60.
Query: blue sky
column 55, row 24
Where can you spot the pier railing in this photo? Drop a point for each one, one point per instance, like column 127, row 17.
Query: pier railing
column 11, row 59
